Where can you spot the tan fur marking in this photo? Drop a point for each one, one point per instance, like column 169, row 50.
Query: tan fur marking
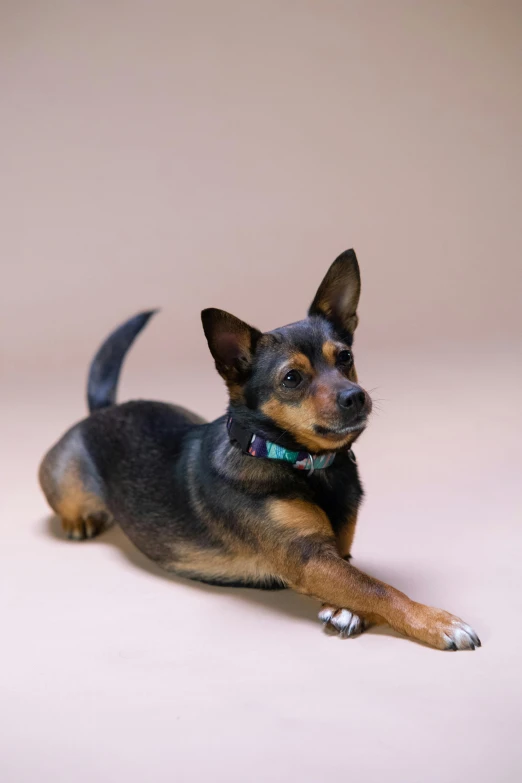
column 299, row 421
column 75, row 502
column 300, row 517
column 189, row 559
column 298, row 361
column 235, row 391
column 330, row 351
column 77, row 508
column 346, row 534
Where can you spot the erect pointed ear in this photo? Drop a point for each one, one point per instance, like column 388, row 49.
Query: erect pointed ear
column 338, row 295
column 232, row 343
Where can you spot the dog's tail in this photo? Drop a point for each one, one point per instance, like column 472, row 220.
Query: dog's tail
column 105, row 368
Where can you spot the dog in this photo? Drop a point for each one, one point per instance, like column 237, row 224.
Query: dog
column 267, row 495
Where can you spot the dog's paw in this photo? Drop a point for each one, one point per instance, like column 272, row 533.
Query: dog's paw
column 90, row 527
column 442, row 630
column 341, row 621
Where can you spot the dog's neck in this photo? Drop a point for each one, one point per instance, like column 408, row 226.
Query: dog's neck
column 258, row 446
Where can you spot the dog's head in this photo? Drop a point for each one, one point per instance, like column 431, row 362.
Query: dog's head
column 297, row 384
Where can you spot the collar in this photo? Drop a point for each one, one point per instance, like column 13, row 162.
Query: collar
column 257, row 446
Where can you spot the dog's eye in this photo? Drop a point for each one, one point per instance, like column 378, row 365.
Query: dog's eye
column 345, row 358
column 292, row 379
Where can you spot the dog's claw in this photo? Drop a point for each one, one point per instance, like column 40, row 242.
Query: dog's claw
column 455, row 634
column 462, row 637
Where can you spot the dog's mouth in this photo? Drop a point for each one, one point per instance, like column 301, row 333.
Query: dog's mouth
column 336, row 433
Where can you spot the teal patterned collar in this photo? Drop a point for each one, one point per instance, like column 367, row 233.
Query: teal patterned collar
column 257, row 446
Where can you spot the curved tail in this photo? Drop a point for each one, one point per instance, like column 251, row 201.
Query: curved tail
column 104, row 371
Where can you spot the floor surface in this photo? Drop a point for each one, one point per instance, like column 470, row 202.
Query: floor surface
column 114, row 671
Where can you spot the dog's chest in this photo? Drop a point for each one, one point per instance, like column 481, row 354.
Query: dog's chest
column 339, row 494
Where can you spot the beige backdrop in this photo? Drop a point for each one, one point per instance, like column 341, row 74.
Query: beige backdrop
column 194, row 154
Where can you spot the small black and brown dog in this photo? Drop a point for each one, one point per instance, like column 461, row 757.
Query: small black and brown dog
column 265, row 496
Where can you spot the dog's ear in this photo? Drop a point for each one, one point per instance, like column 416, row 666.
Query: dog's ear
column 338, row 295
column 232, row 343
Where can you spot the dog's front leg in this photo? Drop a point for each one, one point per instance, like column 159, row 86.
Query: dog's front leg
column 316, row 569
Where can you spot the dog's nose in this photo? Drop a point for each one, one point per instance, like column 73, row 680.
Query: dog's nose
column 352, row 399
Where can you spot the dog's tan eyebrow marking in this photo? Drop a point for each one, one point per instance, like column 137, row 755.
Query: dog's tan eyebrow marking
column 330, row 351
column 298, row 361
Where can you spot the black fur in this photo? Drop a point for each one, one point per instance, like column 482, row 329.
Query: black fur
column 105, row 368
column 154, row 499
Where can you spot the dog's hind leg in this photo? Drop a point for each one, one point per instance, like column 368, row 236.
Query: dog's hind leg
column 73, row 488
